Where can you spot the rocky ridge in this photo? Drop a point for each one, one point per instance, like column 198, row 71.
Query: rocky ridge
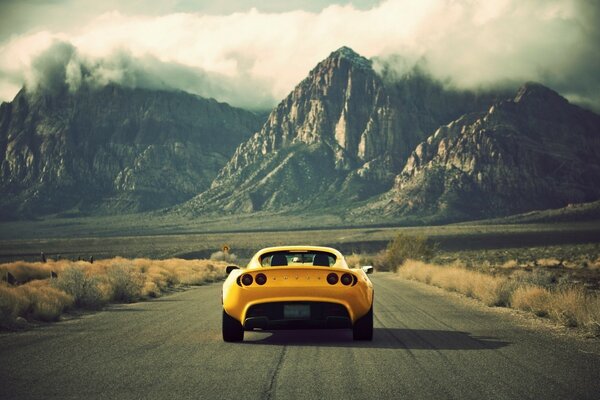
column 112, row 149
column 535, row 151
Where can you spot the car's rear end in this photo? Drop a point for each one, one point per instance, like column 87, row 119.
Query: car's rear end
column 297, row 287
column 295, row 297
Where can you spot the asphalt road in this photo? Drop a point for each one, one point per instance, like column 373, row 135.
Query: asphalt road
column 426, row 345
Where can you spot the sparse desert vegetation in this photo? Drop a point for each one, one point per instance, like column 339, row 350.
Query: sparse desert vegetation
column 43, row 291
column 537, row 291
column 560, row 282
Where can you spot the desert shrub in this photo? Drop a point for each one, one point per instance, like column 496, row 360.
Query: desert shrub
column 570, row 306
column 125, row 284
column 417, row 271
column 355, row 260
column 34, row 300
column 46, row 303
column 199, row 274
column 13, row 303
column 531, row 298
column 151, row 289
column 404, row 247
column 360, row 260
column 378, row 261
column 85, row 289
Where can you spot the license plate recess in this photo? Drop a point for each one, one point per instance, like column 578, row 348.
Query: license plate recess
column 296, row 311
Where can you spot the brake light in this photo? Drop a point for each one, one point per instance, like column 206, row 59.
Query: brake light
column 247, row 279
column 332, row 278
column 261, row 279
column 346, row 279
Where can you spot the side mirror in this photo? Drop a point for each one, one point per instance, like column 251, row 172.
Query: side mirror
column 231, row 268
column 368, row 269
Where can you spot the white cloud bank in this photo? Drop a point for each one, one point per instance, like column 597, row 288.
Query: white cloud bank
column 253, row 59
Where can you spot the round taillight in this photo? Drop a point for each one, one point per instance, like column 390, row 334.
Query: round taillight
column 332, row 278
column 346, row 279
column 247, row 280
column 261, row 279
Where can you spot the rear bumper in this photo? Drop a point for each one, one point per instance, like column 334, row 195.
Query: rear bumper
column 272, row 316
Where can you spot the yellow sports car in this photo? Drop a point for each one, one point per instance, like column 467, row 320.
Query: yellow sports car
column 294, row 287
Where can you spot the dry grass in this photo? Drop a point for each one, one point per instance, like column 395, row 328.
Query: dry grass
column 489, row 289
column 548, row 262
column 531, row 298
column 26, row 271
column 34, row 300
column 85, row 285
column 377, row 260
column 571, row 305
column 594, row 265
column 355, row 260
column 510, row 264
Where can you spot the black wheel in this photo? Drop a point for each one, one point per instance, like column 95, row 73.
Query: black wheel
column 233, row 331
column 363, row 327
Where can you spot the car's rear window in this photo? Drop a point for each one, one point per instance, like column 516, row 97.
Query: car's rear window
column 297, row 258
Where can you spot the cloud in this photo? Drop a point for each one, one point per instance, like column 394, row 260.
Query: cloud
column 253, row 58
column 62, row 66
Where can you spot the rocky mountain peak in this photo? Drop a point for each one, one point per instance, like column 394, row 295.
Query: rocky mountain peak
column 537, row 96
column 346, row 54
column 331, row 106
column 342, row 128
column 535, row 90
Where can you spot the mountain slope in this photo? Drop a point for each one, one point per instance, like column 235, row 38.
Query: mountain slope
column 112, row 149
column 339, row 137
column 533, row 152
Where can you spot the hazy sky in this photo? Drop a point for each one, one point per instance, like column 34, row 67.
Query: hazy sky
column 252, row 53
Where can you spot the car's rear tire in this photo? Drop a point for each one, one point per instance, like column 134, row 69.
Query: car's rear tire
column 363, row 327
column 233, row 331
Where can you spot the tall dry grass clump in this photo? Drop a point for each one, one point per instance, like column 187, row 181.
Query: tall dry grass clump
column 34, row 300
column 575, row 307
column 85, row 285
column 531, row 298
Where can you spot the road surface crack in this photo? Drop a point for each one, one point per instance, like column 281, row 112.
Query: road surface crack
column 270, row 393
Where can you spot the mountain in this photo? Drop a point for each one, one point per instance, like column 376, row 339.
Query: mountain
column 112, row 149
column 535, row 151
column 341, row 136
column 367, row 145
